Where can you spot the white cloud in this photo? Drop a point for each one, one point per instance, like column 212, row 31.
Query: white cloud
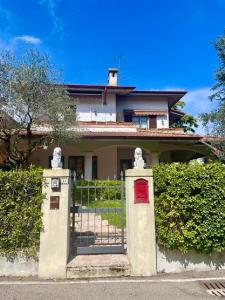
column 27, row 39
column 52, row 5
column 197, row 102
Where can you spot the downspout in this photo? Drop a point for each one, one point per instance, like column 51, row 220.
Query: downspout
column 105, row 96
column 104, row 101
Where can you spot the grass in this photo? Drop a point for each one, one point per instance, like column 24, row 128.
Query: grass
column 102, row 198
column 114, row 218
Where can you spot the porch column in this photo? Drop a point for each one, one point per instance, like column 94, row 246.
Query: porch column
column 55, row 236
column 140, row 220
column 88, row 166
column 155, row 158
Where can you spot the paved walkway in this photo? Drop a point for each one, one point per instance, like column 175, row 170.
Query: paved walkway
column 106, row 260
column 91, row 229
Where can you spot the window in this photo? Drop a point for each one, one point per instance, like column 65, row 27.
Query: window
column 142, row 121
column 76, row 163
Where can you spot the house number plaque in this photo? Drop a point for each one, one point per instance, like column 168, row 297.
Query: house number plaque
column 141, row 194
column 54, row 202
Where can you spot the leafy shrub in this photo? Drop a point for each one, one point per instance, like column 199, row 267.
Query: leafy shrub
column 190, row 206
column 100, row 190
column 20, row 212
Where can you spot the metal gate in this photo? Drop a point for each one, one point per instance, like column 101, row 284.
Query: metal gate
column 98, row 217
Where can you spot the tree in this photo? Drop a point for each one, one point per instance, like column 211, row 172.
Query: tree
column 35, row 110
column 214, row 121
column 188, row 122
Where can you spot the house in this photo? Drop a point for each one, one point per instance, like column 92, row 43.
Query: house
column 114, row 120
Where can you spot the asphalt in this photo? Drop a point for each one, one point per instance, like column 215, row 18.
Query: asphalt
column 107, row 291
column 183, row 286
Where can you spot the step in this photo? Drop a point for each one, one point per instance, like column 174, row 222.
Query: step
column 97, row 266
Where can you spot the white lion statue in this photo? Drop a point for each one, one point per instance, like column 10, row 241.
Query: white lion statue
column 138, row 159
column 56, row 161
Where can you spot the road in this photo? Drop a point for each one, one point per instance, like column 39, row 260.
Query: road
column 139, row 289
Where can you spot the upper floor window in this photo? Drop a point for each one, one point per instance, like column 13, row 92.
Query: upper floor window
column 142, row 121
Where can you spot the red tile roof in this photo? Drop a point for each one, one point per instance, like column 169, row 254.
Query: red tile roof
column 142, row 134
column 149, row 134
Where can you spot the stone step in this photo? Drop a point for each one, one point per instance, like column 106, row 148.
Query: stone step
column 96, row 266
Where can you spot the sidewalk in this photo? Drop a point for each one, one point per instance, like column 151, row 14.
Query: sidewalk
column 185, row 276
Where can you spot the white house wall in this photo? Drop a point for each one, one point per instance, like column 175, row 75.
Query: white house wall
column 93, row 109
column 142, row 103
column 162, row 121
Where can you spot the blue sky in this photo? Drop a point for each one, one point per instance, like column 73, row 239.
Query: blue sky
column 165, row 44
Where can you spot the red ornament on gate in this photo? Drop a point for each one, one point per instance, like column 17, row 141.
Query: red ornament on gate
column 141, row 194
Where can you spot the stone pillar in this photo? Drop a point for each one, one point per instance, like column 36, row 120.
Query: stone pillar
column 54, row 239
column 155, row 158
column 88, row 166
column 141, row 244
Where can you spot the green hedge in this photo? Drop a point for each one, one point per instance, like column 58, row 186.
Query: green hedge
column 190, row 206
column 98, row 193
column 20, row 212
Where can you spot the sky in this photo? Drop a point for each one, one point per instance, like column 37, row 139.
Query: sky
column 157, row 44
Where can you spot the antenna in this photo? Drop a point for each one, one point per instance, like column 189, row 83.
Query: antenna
column 118, row 61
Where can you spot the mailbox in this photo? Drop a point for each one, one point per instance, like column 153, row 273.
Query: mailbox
column 56, row 184
column 141, row 194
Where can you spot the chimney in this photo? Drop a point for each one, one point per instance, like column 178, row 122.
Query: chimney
column 112, row 76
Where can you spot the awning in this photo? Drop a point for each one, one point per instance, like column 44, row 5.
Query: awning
column 146, row 112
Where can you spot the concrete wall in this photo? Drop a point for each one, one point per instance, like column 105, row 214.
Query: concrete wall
column 140, row 221
column 162, row 121
column 92, row 109
column 18, row 267
column 169, row 261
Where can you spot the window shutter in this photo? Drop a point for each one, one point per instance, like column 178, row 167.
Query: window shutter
column 152, row 122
